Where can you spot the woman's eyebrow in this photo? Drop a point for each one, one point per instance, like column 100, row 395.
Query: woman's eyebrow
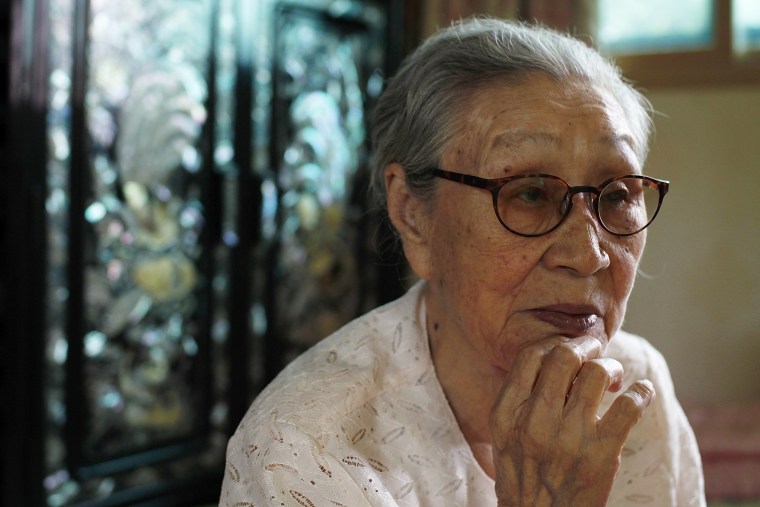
column 618, row 139
column 512, row 140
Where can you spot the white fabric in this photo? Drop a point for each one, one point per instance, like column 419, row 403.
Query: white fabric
column 361, row 420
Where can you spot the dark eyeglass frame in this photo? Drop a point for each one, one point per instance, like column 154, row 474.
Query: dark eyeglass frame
column 495, row 185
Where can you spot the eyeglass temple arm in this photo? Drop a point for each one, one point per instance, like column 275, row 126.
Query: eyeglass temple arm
column 467, row 179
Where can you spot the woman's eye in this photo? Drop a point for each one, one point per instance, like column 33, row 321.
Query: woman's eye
column 618, row 195
column 531, row 194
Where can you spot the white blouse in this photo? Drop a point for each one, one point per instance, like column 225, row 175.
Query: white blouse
column 360, row 419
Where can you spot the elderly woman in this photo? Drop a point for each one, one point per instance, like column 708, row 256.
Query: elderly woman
column 510, row 158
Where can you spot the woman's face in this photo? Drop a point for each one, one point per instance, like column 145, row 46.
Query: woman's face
column 492, row 291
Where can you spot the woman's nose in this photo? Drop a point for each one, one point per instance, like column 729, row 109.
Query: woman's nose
column 578, row 243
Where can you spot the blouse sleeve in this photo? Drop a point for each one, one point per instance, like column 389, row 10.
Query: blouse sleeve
column 281, row 465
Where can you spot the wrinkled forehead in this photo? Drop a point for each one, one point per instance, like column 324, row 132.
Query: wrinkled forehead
column 535, row 112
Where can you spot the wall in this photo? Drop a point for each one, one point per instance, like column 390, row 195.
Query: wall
column 434, row 14
column 699, row 302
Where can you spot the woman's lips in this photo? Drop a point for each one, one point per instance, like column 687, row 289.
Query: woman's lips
column 570, row 320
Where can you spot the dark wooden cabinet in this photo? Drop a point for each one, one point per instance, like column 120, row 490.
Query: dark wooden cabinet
column 183, row 212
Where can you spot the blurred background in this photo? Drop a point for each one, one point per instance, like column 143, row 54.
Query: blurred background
column 183, row 211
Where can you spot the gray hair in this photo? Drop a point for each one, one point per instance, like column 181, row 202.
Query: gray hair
column 414, row 118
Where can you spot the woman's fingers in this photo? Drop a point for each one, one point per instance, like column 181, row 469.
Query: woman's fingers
column 521, row 378
column 625, row 412
column 560, row 371
column 559, row 382
column 595, row 377
column 538, row 383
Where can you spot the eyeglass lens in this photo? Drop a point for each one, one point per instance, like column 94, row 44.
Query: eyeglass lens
column 535, row 205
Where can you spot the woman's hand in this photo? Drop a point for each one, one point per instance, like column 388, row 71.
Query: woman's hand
column 549, row 446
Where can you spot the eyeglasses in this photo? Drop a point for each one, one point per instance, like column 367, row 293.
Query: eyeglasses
column 536, row 204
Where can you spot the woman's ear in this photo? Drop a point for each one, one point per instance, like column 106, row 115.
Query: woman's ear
column 411, row 218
